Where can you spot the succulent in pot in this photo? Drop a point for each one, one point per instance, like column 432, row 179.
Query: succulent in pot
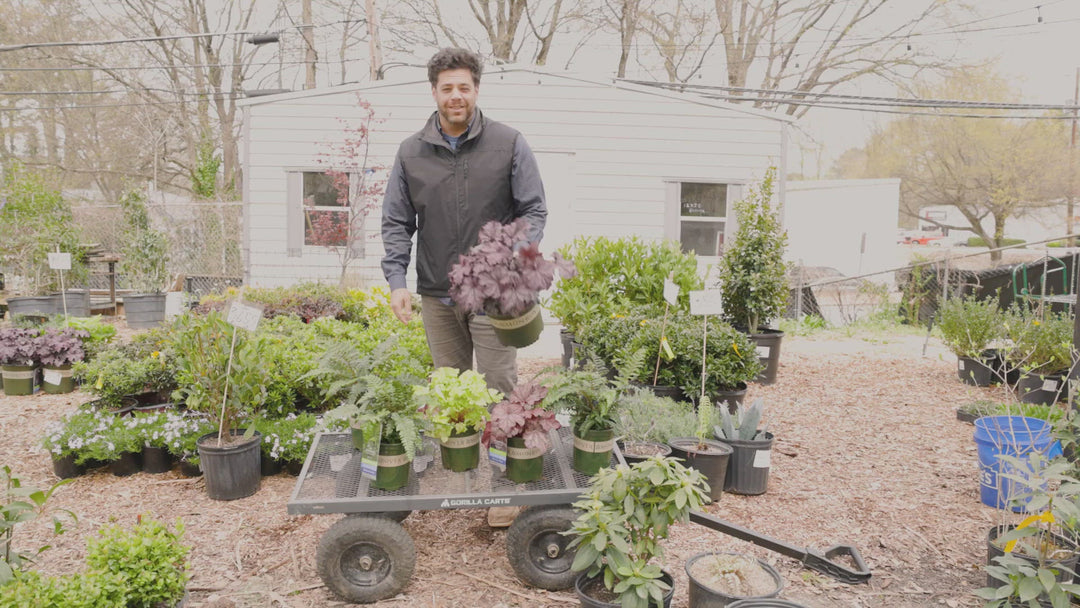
column 523, row 423
column 456, row 405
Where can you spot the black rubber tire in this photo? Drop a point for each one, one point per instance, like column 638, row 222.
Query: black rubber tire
column 348, row 486
column 383, row 542
column 533, row 533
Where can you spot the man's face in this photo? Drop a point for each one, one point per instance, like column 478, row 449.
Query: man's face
column 455, row 97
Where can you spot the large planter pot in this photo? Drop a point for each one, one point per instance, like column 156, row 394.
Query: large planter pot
column 732, row 397
column 523, row 464
column 709, row 457
column 127, row 464
column 1065, row 564
column 64, row 467
column 979, row 371
column 231, row 469
column 461, row 452
column 57, row 380
column 30, row 305
column 519, row 332
column 592, row 452
column 584, row 585
column 75, row 301
column 156, row 460
column 748, row 466
column 638, row 451
column 1037, row 388
column 394, row 468
column 144, row 310
column 702, row 595
column 19, row 379
column 767, row 343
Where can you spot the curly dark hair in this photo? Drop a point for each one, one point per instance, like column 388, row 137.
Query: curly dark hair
column 455, row 59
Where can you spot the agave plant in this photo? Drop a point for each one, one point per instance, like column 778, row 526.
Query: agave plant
column 743, row 424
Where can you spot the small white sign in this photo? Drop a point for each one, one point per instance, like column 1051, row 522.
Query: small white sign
column 763, row 352
column 174, row 304
column 762, row 459
column 960, row 363
column 706, row 302
column 60, row 261
column 53, row 377
column 244, row 315
column 1050, row 386
column 671, row 292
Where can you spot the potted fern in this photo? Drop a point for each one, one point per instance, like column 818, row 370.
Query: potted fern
column 456, row 405
column 702, row 452
column 523, row 423
column 751, row 448
column 591, row 402
column 502, row 276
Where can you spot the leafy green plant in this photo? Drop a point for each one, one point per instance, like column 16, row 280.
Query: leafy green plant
column 149, row 558
column 707, row 417
column 81, row 590
column 752, row 274
column 111, row 439
column 21, row 503
column 643, row 416
column 969, row 325
column 586, row 395
column 115, row 373
column 455, row 402
column 145, row 253
column 1041, row 345
column 743, row 424
column 625, row 514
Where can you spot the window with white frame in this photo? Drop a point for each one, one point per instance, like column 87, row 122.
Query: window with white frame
column 326, row 208
column 703, row 209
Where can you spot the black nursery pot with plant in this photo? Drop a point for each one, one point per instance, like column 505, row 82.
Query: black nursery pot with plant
column 981, row 371
column 705, row 595
column 709, row 457
column 231, row 469
column 588, row 587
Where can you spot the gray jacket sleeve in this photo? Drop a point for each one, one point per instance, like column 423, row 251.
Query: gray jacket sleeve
column 528, row 189
column 398, row 227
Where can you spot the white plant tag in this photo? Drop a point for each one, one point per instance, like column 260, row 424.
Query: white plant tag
column 706, row 302
column 369, row 458
column 763, row 352
column 338, row 461
column 244, row 315
column 59, row 261
column 497, row 454
column 671, row 292
column 174, row 304
column 53, row 377
column 1050, row 385
column 960, row 364
column 762, row 459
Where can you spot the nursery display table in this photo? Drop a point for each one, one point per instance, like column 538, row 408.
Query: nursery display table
column 368, row 555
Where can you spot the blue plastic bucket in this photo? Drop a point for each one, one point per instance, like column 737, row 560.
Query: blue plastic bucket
column 1012, row 436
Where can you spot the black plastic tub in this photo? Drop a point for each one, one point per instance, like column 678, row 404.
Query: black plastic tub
column 231, row 470
column 712, row 462
column 748, row 466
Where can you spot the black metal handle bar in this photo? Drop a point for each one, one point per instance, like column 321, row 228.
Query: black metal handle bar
column 824, row 563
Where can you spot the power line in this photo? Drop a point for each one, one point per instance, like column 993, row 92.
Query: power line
column 111, row 105
column 115, row 68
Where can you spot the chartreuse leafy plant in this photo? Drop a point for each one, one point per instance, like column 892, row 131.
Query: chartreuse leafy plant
column 625, row 514
column 21, row 503
column 81, row 590
column 1042, row 344
column 454, row 402
column 969, row 325
column 150, row 558
column 752, row 274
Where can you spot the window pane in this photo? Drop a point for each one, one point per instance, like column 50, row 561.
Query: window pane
column 319, row 190
column 326, row 228
column 703, row 200
column 703, row 238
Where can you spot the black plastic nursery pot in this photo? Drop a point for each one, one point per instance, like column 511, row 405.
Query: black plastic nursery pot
column 748, row 466
column 1040, row 389
column 979, row 371
column 64, row 467
column 708, row 456
column 269, row 467
column 638, row 451
column 231, row 470
column 1065, row 566
column 156, row 460
column 767, row 343
column 394, row 468
column 461, row 452
column 19, row 380
column 663, row 390
column 188, row 469
column 765, row 602
column 523, row 464
column 733, row 397
column 144, row 310
column 593, row 451
column 57, row 380
column 519, row 332
column 703, row 596
column 128, row 463
column 293, row 467
column 584, row 585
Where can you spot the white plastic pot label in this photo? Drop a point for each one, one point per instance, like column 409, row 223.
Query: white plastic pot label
column 244, row 315
column 960, row 364
column 763, row 352
column 671, row 292
column 762, row 459
column 1050, row 386
column 60, row 261
column 706, row 302
column 53, row 376
column 497, row 454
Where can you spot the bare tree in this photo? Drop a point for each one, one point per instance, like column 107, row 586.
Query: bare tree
column 624, row 17
column 683, row 36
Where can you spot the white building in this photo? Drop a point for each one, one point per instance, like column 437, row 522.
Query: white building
column 617, row 160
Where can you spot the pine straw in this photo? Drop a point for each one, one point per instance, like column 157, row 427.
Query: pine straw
column 868, row 453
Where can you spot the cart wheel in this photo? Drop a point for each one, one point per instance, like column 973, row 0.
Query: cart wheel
column 538, row 551
column 348, row 486
column 366, row 559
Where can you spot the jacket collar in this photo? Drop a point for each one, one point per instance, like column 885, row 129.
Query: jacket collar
column 431, row 134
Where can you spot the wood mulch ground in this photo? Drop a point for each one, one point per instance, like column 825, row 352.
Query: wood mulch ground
column 868, row 453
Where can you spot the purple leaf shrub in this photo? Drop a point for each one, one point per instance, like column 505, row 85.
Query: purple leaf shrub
column 18, row 346
column 522, row 416
column 58, row 347
column 495, row 278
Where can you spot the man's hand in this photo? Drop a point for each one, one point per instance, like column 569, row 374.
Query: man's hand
column 401, row 303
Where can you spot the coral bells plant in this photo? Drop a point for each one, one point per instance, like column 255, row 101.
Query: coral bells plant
column 503, row 274
column 57, row 348
column 522, row 416
column 18, row 346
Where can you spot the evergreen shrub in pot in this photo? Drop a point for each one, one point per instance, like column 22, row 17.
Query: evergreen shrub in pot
column 523, row 424
column 968, row 328
column 456, row 405
column 143, row 265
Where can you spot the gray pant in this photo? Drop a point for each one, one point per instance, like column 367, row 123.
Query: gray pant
column 454, row 335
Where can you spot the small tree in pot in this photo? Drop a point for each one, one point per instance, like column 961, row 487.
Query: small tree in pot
column 968, row 327
column 523, row 423
column 752, row 274
column 502, row 276
column 456, row 404
column 702, row 452
column 145, row 256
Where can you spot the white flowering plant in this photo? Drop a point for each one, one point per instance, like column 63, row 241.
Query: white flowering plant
column 288, row 439
column 182, row 431
column 111, row 439
column 68, row 436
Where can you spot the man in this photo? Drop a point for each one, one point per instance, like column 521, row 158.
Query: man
column 459, row 172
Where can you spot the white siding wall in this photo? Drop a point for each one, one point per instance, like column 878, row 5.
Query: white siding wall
column 608, row 150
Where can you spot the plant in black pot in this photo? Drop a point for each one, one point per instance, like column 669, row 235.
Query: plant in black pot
column 1042, row 349
column 522, row 423
column 456, row 404
column 502, row 276
column 702, row 452
column 18, row 358
column 969, row 327
column 58, row 350
column 720, row 579
column 751, row 448
column 219, row 373
column 591, row 403
column 625, row 513
column 65, row 438
column 143, row 265
column 114, row 375
column 645, row 423
column 116, row 441
column 149, row 559
column 752, row 274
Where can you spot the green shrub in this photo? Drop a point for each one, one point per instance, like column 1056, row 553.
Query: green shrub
column 642, row 416
column 21, row 503
column 1040, row 345
column 969, row 325
column 149, row 559
column 114, row 373
column 83, row 590
column 978, row 241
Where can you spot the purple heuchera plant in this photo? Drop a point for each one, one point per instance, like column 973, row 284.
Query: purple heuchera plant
column 522, row 416
column 496, row 279
column 18, row 346
column 61, row 347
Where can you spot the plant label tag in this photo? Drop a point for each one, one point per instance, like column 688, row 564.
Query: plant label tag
column 60, row 261
column 671, row 292
column 763, row 352
column 174, row 304
column 497, row 454
column 762, row 459
column 665, row 349
column 244, row 315
column 960, row 364
column 369, row 458
column 1050, row 386
column 338, row 461
column 53, row 377
column 706, row 302
column 100, row 381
